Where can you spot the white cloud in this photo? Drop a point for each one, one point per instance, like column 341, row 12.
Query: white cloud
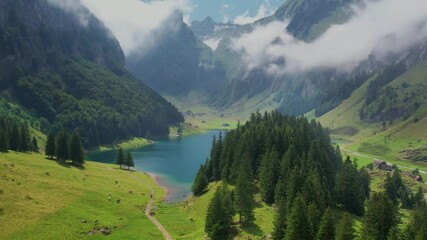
column 264, row 10
column 133, row 21
column 212, row 43
column 381, row 27
column 223, row 11
column 74, row 7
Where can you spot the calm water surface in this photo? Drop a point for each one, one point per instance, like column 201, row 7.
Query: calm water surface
column 174, row 160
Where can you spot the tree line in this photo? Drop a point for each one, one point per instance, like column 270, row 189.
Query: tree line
column 64, row 146
column 290, row 163
column 15, row 135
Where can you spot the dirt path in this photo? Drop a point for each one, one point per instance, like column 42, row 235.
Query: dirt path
column 153, row 219
column 389, row 163
column 148, row 209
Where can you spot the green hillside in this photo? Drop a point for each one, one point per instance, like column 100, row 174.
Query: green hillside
column 43, row 199
column 386, row 139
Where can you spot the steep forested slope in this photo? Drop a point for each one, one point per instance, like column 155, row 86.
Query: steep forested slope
column 65, row 67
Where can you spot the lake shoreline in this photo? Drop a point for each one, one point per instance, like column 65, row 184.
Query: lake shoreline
column 156, row 179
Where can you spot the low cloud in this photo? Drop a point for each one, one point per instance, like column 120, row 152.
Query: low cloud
column 380, row 28
column 264, row 10
column 133, row 21
column 75, row 7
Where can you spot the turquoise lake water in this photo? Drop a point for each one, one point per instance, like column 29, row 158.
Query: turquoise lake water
column 174, row 160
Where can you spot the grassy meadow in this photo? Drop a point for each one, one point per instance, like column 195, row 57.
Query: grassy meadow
column 42, row 199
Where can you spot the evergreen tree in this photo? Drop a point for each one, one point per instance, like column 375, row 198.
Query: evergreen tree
column 392, row 185
column 244, row 199
column 216, row 157
column 280, row 191
column 50, row 149
column 345, row 228
column 297, row 224
column 15, row 138
column 76, row 150
column 120, row 159
column 25, row 143
column 280, row 221
column 365, row 180
column 269, row 175
column 219, row 217
column 349, row 191
column 327, row 226
column 129, row 160
column 200, row 182
column 4, row 145
column 417, row 226
column 35, row 145
column 381, row 217
column 418, row 198
column 62, row 146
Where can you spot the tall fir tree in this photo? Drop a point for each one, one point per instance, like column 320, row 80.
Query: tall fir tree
column 349, row 191
column 219, row 215
column 129, row 160
column 392, row 185
column 244, row 194
column 50, row 149
column 25, row 145
column 77, row 154
column 200, row 182
column 15, row 138
column 417, row 226
column 62, row 146
column 327, row 226
column 381, row 218
column 4, row 145
column 269, row 176
column 280, row 221
column 297, row 224
column 345, row 228
column 34, row 145
column 120, row 159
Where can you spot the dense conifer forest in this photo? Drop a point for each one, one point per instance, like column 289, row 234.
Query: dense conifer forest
column 290, row 163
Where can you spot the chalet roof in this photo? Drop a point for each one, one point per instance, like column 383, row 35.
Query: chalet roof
column 378, row 162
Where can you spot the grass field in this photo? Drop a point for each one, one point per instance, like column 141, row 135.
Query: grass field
column 186, row 220
column 42, row 199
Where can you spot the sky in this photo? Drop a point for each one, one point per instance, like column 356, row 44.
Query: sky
column 229, row 10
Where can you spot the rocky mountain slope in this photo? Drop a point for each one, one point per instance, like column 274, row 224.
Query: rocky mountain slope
column 179, row 63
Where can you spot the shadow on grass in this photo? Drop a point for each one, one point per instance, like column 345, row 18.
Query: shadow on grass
column 253, row 229
column 67, row 164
